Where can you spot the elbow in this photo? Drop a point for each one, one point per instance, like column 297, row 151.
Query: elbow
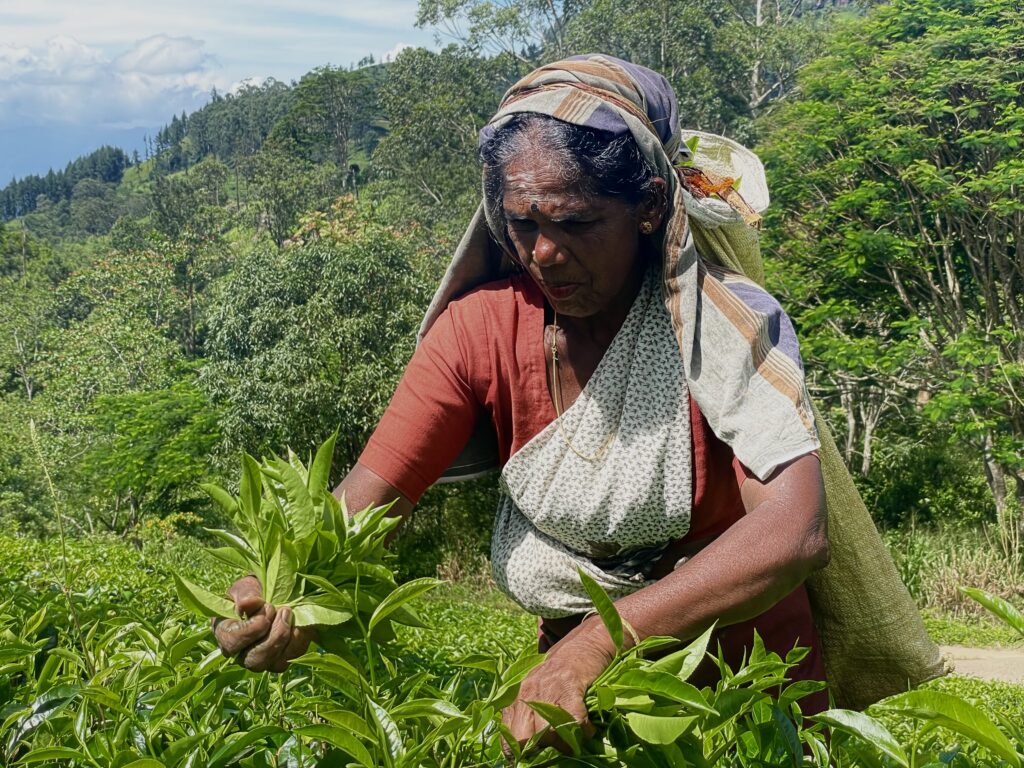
column 818, row 552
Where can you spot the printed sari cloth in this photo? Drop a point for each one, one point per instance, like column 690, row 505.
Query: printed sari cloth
column 738, row 360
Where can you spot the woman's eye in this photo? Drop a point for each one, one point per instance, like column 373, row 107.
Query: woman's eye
column 577, row 226
column 521, row 225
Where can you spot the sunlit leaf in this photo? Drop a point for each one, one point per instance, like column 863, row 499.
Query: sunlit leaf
column 605, row 608
column 658, row 730
column 403, row 594
column 956, row 714
column 202, row 602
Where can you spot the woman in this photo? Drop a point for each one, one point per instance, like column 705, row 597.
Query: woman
column 652, row 423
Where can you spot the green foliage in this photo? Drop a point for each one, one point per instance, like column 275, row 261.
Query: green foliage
column 974, row 631
column 330, row 108
column 1006, row 611
column 104, row 165
column 148, row 447
column 312, row 337
column 898, row 172
column 118, row 674
column 306, row 550
column 935, row 562
column 435, row 105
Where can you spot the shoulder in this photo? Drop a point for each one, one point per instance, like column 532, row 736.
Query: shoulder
column 498, row 304
column 754, row 311
column 745, row 290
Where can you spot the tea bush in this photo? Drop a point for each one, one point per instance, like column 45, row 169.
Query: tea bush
column 104, row 668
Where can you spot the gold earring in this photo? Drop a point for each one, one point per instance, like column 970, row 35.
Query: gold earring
column 646, row 227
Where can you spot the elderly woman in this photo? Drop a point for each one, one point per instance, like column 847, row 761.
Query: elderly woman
column 652, row 423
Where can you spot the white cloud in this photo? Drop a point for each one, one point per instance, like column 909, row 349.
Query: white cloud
column 68, row 81
column 393, row 53
column 163, row 55
column 115, row 62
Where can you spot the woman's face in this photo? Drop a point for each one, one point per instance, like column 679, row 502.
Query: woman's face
column 582, row 250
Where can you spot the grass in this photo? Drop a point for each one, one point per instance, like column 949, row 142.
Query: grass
column 972, row 631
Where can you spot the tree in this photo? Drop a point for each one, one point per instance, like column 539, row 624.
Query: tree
column 285, row 185
column 92, row 212
column 313, row 337
column 519, row 30
column 148, row 452
column 899, row 175
column 327, row 104
column 435, row 105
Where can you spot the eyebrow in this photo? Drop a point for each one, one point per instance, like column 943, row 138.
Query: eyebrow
column 569, row 216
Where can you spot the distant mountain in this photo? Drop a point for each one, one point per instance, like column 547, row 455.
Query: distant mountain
column 25, row 151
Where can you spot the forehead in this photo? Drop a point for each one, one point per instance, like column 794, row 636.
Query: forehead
column 538, row 179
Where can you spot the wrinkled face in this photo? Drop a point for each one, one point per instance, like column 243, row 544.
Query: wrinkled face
column 582, row 250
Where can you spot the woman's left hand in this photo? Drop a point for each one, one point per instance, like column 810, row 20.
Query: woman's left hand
column 562, row 679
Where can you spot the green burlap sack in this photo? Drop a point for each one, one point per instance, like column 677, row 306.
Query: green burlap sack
column 873, row 639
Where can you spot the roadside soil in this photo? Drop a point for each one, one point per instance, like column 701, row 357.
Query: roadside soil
column 1006, row 664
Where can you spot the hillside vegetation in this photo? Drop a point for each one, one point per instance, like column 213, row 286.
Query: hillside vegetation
column 255, row 280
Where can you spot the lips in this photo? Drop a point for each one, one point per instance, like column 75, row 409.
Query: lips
column 563, row 291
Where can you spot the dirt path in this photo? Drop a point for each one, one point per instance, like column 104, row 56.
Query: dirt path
column 1005, row 664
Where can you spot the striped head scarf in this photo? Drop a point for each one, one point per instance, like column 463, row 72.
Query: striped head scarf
column 739, row 349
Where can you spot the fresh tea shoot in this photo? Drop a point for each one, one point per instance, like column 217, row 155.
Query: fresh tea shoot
column 307, row 551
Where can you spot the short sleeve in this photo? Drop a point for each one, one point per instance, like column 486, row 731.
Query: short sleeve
column 430, row 417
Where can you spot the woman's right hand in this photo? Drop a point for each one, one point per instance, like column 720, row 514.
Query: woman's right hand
column 265, row 638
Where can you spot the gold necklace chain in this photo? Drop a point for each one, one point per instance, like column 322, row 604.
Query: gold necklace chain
column 556, row 391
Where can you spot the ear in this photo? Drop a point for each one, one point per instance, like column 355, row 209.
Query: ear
column 654, row 207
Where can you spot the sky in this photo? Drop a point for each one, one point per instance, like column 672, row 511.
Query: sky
column 75, row 74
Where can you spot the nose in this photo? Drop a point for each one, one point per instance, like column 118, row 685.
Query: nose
column 546, row 251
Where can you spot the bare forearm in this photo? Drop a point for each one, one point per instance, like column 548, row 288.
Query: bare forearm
column 750, row 567
column 362, row 488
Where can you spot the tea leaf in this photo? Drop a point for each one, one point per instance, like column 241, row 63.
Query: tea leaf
column 658, row 730
column 203, row 603
column 251, row 491
column 427, row 708
column 401, row 595
column 235, row 743
column 684, row 662
column 997, row 605
column 234, row 541
column 866, row 728
column 224, row 500
column 173, row 697
column 388, row 729
column 787, row 730
column 341, row 739
column 320, row 470
column 605, row 608
column 956, row 714
column 562, row 722
column 51, row 754
column 350, row 721
column 299, row 509
column 666, row 685
column 233, row 558
column 282, row 583
column 308, row 614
